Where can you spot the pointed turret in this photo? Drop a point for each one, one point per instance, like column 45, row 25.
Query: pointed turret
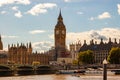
column 29, row 49
column 95, row 42
column 0, row 37
column 115, row 41
column 109, row 39
column 60, row 16
column 84, row 42
column 60, row 23
column 110, row 42
column 92, row 42
column 30, row 46
column 12, row 45
column 1, row 44
column 27, row 45
column 101, row 41
column 17, row 45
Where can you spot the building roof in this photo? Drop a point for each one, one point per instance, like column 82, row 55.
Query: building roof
column 98, row 47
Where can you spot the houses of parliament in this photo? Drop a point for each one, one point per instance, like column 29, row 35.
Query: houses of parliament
column 23, row 53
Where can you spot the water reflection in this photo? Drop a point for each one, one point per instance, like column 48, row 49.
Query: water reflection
column 59, row 77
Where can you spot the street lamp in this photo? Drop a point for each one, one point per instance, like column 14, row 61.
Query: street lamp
column 105, row 69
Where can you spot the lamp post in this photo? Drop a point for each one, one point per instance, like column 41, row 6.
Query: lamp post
column 105, row 69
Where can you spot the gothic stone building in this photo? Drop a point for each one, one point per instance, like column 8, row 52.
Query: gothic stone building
column 74, row 49
column 100, row 50
column 22, row 54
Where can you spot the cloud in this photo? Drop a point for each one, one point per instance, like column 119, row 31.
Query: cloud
column 3, row 12
column 73, row 37
column 75, row 0
column 104, row 33
column 15, row 8
column 67, row 0
column 6, row 2
column 104, row 15
column 80, row 13
column 118, row 8
column 42, row 46
column 18, row 14
column 36, row 31
column 10, row 37
column 92, row 18
column 41, row 8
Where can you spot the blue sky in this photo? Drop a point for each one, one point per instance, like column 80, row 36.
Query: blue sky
column 23, row 21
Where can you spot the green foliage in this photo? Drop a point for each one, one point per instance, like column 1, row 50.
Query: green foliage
column 75, row 62
column 86, row 57
column 114, row 56
column 35, row 63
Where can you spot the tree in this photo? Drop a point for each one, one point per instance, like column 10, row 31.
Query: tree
column 75, row 62
column 86, row 57
column 114, row 56
column 35, row 63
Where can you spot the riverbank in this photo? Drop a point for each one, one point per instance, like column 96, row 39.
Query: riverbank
column 60, row 77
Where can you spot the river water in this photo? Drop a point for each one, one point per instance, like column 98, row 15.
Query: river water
column 60, row 77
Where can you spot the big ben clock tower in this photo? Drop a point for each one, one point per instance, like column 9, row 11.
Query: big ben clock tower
column 60, row 37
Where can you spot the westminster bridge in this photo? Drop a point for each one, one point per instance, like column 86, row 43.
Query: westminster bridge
column 14, row 69
column 25, row 69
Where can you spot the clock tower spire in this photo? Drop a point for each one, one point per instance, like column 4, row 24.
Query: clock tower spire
column 60, row 19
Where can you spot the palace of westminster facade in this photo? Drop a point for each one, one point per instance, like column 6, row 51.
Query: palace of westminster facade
column 23, row 54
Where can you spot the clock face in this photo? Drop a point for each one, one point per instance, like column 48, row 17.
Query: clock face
column 57, row 32
column 63, row 32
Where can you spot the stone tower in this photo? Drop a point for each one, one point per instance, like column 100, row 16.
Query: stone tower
column 60, row 37
column 1, row 44
column 29, row 48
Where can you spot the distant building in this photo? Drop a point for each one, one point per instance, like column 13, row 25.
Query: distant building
column 100, row 50
column 74, row 49
column 19, row 54
column 22, row 54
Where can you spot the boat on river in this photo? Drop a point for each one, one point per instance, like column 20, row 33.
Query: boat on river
column 65, row 72
column 70, row 71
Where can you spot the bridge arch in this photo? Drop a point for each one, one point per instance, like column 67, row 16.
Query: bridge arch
column 25, row 70
column 6, row 70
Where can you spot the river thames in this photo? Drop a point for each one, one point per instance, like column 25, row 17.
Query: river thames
column 60, row 77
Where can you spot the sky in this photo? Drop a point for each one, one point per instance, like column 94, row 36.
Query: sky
column 23, row 21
